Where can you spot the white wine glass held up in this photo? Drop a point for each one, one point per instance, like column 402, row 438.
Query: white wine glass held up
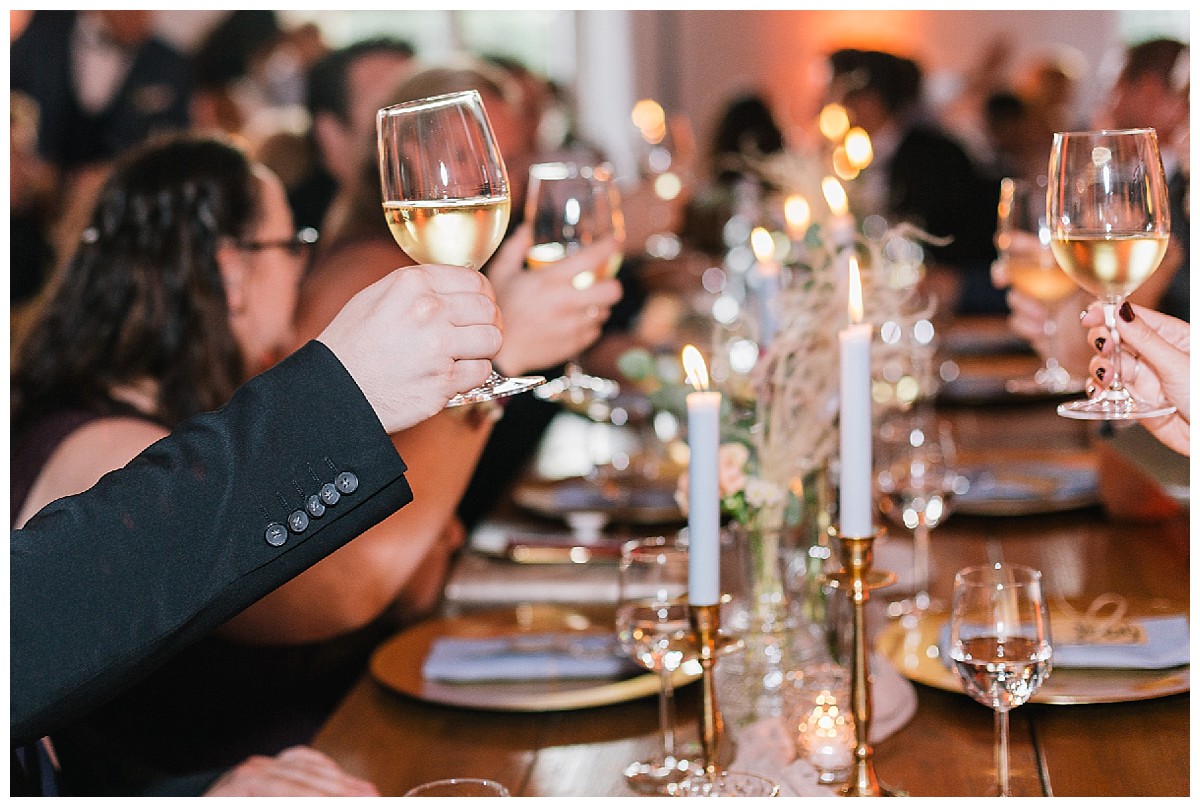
column 569, row 206
column 446, row 194
column 1000, row 644
column 1109, row 225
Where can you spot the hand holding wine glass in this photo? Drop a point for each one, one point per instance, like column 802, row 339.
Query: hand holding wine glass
column 654, row 629
column 1157, row 364
column 1109, row 226
column 445, row 193
column 1000, row 643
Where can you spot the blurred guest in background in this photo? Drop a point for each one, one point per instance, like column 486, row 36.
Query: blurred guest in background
column 745, row 132
column 920, row 175
column 181, row 289
column 99, row 82
column 345, row 88
column 547, row 319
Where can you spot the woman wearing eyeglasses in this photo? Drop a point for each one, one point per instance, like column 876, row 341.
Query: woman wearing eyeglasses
column 182, row 287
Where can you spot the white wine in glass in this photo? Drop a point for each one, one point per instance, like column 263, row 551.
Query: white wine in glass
column 446, row 194
column 1109, row 225
column 1000, row 644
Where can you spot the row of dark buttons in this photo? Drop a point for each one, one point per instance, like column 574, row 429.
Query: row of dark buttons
column 315, row 505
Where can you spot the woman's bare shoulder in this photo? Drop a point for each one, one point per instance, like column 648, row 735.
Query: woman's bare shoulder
column 87, row 454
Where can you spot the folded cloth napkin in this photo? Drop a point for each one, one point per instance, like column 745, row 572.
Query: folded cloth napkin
column 525, row 657
column 1166, row 646
column 1034, row 480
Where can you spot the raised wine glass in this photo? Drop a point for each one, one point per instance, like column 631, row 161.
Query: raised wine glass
column 1025, row 262
column 1109, row 225
column 653, row 628
column 445, row 194
column 569, row 206
column 1000, row 643
column 918, row 481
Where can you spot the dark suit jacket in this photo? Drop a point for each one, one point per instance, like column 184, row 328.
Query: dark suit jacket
column 106, row 584
column 152, row 98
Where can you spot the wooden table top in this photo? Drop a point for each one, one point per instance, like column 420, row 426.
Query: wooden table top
column 1135, row 748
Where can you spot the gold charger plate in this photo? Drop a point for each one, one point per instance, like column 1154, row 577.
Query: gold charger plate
column 915, row 654
column 397, row 662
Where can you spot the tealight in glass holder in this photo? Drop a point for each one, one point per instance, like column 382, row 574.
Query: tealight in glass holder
column 820, row 719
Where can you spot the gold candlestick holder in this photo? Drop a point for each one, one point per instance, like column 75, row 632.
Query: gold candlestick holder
column 858, row 581
column 706, row 622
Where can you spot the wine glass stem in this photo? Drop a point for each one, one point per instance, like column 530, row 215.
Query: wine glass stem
column 666, row 713
column 1002, row 752
column 1110, row 322
column 921, row 563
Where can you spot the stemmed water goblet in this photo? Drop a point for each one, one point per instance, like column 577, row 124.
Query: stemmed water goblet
column 917, row 481
column 1109, row 226
column 1025, row 262
column 653, row 628
column 446, row 194
column 1000, row 643
column 569, row 206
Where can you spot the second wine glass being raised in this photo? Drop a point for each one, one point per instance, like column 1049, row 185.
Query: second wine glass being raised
column 569, row 206
column 446, row 194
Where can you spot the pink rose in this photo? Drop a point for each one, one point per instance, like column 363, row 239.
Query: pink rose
column 731, row 467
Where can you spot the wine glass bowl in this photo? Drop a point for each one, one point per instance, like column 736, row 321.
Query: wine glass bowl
column 1000, row 643
column 917, row 481
column 1109, row 224
column 1026, row 263
column 654, row 629
column 569, row 206
column 446, row 193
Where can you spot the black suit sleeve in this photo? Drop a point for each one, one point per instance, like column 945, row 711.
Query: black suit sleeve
column 107, row 584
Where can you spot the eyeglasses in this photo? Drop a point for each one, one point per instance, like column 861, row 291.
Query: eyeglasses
column 298, row 246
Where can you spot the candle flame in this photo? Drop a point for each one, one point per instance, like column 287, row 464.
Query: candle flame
column 694, row 368
column 762, row 243
column 796, row 213
column 855, row 305
column 835, row 196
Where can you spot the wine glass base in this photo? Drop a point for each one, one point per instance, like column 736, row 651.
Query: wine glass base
column 496, row 386
column 652, row 777
column 1105, row 407
column 578, row 389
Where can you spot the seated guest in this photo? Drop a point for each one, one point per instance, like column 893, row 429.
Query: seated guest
column 547, row 320
column 920, row 174
column 182, row 289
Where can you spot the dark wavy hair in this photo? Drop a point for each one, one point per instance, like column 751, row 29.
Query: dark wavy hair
column 142, row 297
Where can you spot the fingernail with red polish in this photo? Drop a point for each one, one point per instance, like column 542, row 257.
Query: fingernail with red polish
column 1126, row 311
column 1100, row 371
column 1099, row 343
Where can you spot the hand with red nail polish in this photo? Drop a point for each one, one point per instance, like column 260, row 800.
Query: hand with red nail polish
column 1155, row 364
